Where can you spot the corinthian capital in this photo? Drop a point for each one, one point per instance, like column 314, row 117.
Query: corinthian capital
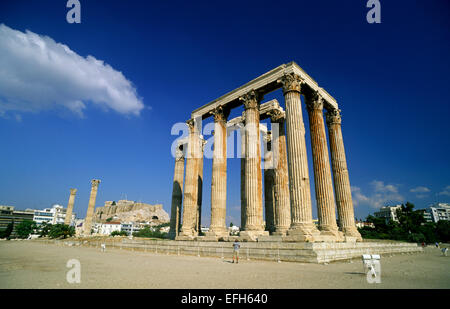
column 291, row 82
column 95, row 182
column 251, row 99
column 314, row 100
column 333, row 116
column 220, row 115
column 277, row 115
column 73, row 191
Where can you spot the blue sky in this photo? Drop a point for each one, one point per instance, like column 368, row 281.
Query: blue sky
column 69, row 119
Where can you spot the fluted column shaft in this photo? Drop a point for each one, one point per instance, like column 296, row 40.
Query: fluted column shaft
column 269, row 184
column 299, row 187
column 340, row 176
column 282, row 207
column 69, row 211
column 190, row 198
column 177, row 195
column 243, row 200
column 322, row 173
column 198, row 225
column 90, row 211
column 219, row 176
column 253, row 175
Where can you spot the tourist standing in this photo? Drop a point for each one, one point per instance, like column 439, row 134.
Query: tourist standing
column 236, row 247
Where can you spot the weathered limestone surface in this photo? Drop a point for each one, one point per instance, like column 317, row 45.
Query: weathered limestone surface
column 299, row 187
column 269, row 188
column 322, row 173
column 68, row 218
column 253, row 175
column 340, row 175
column 177, row 194
column 90, row 211
column 282, row 207
column 198, row 214
column 125, row 210
column 304, row 252
column 190, row 204
column 243, row 199
column 219, row 175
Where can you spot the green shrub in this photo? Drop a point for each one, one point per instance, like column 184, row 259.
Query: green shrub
column 119, row 233
column 61, row 231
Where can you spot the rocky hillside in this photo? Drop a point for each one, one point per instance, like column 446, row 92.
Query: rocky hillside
column 126, row 211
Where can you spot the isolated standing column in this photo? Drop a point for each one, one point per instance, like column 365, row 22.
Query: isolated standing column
column 321, row 163
column 90, row 211
column 68, row 219
column 340, row 175
column 191, row 184
column 299, row 187
column 177, row 193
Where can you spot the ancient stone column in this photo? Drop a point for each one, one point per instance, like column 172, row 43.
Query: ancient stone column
column 253, row 175
column 69, row 211
column 190, row 200
column 198, row 225
column 340, row 176
column 299, row 187
column 219, row 175
column 282, row 207
column 90, row 211
column 243, row 200
column 269, row 186
column 322, row 173
column 177, row 193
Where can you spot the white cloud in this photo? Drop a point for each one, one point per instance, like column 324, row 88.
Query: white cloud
column 446, row 191
column 36, row 73
column 382, row 195
column 420, row 190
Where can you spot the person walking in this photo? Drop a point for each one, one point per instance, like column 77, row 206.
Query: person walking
column 236, row 247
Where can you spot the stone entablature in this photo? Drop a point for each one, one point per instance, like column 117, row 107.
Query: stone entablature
column 264, row 84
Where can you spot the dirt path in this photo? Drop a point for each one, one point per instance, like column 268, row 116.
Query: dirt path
column 31, row 264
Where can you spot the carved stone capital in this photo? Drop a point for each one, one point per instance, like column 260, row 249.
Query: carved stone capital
column 291, row 82
column 277, row 116
column 314, row 101
column 179, row 153
column 251, row 100
column 333, row 116
column 95, row 182
column 220, row 115
column 73, row 191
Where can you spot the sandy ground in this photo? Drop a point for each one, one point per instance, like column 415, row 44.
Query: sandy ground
column 31, row 264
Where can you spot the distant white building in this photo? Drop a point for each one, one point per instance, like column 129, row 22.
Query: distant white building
column 388, row 213
column 54, row 215
column 437, row 212
column 106, row 228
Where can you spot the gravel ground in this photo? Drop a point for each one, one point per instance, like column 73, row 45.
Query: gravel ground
column 33, row 264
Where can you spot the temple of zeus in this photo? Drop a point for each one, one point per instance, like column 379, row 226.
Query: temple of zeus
column 287, row 196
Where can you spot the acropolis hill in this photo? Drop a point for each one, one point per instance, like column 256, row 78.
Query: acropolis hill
column 131, row 211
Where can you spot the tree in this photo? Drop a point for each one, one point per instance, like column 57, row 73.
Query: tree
column 44, row 229
column 231, row 224
column 25, row 228
column 61, row 231
column 443, row 230
column 150, row 233
column 7, row 232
